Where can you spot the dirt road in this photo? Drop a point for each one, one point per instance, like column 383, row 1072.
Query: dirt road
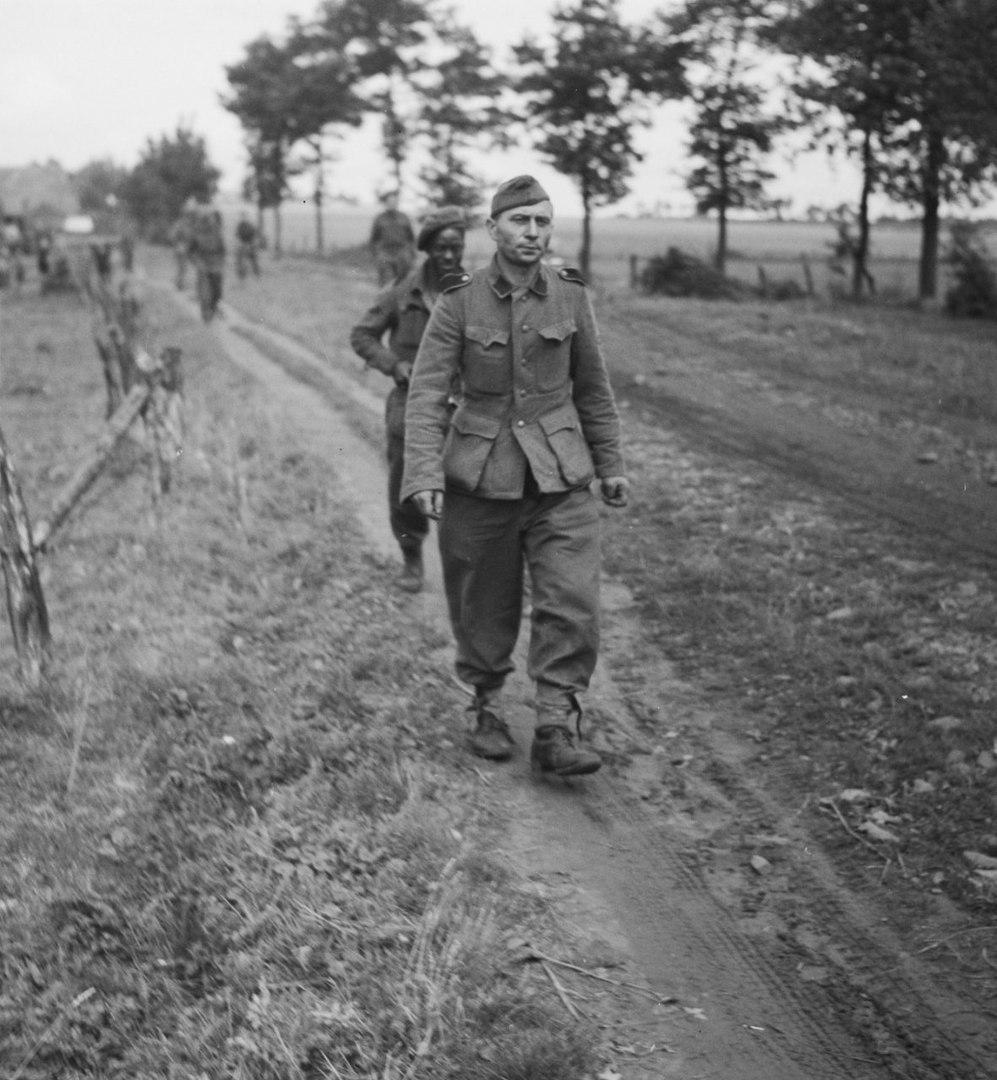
column 678, row 909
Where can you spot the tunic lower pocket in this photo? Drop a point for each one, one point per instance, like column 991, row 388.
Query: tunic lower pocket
column 564, row 435
column 469, row 441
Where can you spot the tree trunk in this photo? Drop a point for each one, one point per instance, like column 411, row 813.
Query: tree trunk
column 930, row 223
column 860, row 257
column 585, row 254
column 319, row 224
column 720, row 259
column 278, row 249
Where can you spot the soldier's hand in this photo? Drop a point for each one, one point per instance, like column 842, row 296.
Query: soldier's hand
column 402, row 372
column 430, row 503
column 615, row 490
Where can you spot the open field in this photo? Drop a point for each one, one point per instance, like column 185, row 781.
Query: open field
column 778, row 246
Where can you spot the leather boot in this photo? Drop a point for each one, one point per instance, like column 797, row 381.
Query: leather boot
column 489, row 736
column 556, row 741
column 413, row 572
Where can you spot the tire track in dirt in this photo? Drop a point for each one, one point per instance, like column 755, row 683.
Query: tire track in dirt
column 730, row 1005
column 702, row 398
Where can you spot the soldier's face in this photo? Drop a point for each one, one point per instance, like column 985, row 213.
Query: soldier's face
column 522, row 234
column 446, row 251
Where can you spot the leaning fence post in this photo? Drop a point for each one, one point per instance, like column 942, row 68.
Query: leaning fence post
column 85, row 475
column 25, row 600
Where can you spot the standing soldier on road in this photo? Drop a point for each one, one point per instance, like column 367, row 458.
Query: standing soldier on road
column 391, row 240
column 509, row 474
column 402, row 312
column 180, row 236
column 248, row 243
column 207, row 252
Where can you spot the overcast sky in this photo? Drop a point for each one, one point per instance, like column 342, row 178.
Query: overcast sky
column 88, row 79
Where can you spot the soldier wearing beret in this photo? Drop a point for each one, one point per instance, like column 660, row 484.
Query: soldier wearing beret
column 401, row 312
column 509, row 475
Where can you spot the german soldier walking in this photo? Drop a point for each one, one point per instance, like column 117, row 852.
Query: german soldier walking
column 509, row 475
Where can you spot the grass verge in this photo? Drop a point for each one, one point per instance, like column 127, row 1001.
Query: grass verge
column 236, row 836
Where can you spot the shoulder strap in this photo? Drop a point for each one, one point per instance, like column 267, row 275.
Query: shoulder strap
column 570, row 273
column 455, row 281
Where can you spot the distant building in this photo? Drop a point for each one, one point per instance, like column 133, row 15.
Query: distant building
column 43, row 193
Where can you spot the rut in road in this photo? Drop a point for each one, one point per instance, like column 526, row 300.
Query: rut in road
column 742, row 1013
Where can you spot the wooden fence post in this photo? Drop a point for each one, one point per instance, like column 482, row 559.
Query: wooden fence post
column 763, row 283
column 163, row 416
column 808, row 275
column 25, row 600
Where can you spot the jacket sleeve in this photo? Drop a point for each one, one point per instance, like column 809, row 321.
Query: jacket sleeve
column 366, row 336
column 593, row 394
column 427, row 412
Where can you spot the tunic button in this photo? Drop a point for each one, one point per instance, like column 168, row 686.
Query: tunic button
column 525, row 327
column 522, row 393
column 520, row 423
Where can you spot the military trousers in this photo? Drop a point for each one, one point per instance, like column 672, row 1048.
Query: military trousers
column 487, row 548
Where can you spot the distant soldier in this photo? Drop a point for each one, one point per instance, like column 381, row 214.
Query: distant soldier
column 247, row 244
column 391, row 241
column 43, row 252
column 180, row 236
column 207, row 252
column 401, row 312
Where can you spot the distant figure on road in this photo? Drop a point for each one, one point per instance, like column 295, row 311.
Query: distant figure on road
column 207, row 253
column 509, row 475
column 180, row 237
column 43, row 252
column 391, row 240
column 401, row 312
column 248, row 243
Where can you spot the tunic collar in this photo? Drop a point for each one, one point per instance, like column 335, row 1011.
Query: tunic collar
column 504, row 288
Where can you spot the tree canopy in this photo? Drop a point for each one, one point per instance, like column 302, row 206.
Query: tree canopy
column 171, row 170
column 583, row 92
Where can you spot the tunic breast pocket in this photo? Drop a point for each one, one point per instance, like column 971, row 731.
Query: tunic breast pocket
column 554, row 354
column 486, row 368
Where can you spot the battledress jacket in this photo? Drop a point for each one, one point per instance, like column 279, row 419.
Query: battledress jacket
column 533, row 391
column 401, row 310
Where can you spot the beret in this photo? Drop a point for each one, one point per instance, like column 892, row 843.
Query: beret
column 446, row 217
column 519, row 191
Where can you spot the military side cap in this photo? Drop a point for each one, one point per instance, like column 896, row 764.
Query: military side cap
column 519, row 191
column 446, row 217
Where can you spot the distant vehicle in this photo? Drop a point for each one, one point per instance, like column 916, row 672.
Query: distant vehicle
column 79, row 225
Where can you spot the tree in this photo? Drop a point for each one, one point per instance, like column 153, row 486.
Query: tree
column 284, row 94
column 98, row 183
column 914, row 84
column 170, row 171
column 385, row 42
column 585, row 90
column 732, row 130
column 459, row 109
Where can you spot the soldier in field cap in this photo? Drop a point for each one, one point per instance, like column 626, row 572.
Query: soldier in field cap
column 509, row 475
column 401, row 312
